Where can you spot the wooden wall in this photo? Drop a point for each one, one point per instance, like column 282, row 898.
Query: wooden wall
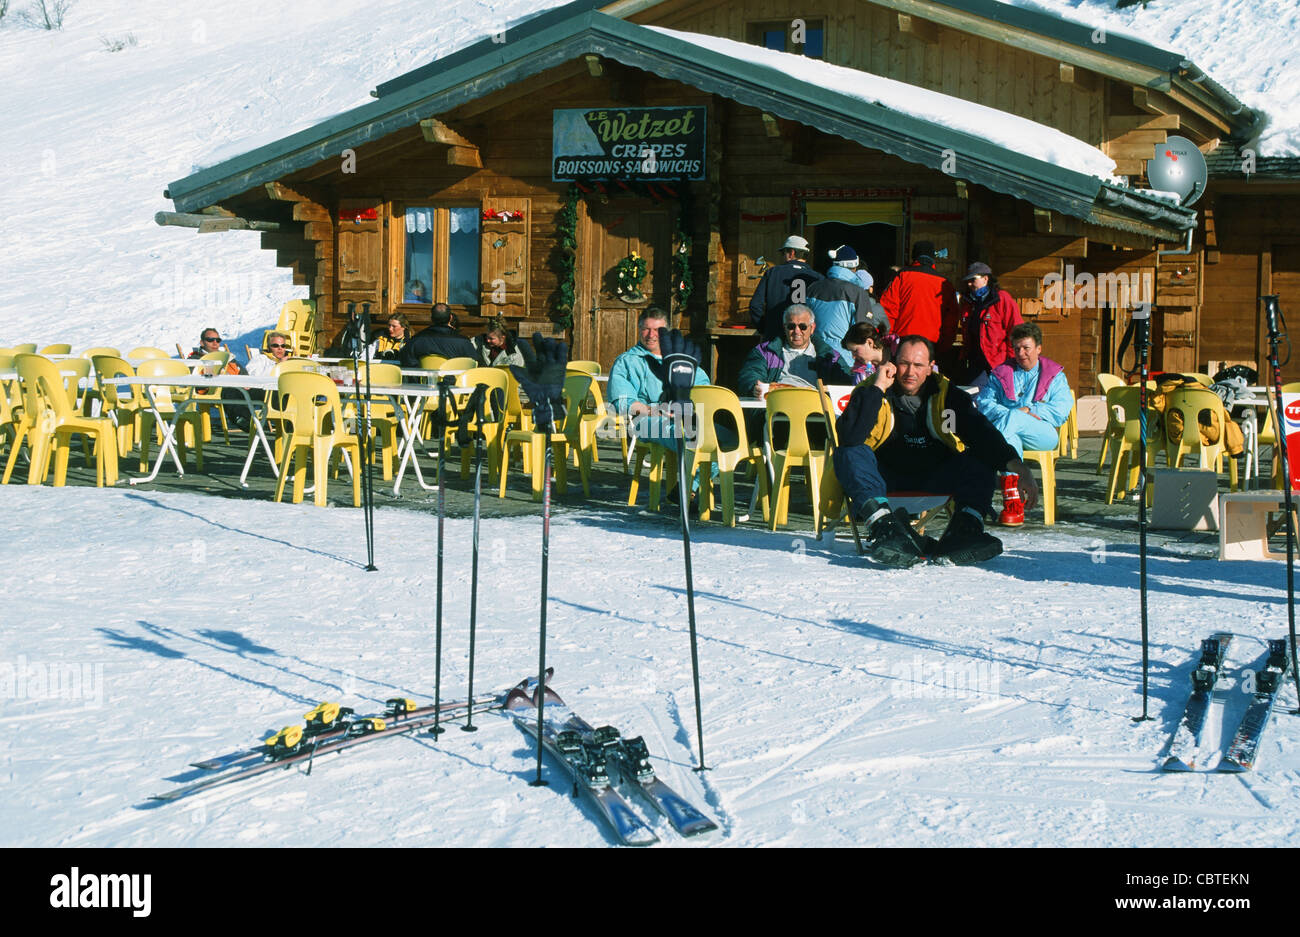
column 868, row 37
column 1256, row 252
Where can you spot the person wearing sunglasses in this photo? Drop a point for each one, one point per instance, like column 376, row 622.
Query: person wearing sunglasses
column 278, row 346
column 799, row 358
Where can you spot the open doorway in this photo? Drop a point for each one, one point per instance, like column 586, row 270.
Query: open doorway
column 876, row 244
column 872, row 227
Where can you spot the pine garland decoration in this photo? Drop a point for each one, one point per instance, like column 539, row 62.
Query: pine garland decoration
column 683, row 282
column 564, row 260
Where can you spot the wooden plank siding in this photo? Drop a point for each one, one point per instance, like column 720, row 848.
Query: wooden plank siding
column 867, row 37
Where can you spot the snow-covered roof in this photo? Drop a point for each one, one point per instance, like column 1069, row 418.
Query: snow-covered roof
column 1018, row 134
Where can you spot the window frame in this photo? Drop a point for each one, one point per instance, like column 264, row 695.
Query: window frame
column 756, row 28
column 441, row 258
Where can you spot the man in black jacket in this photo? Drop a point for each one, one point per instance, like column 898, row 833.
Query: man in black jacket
column 782, row 286
column 900, row 433
column 438, row 339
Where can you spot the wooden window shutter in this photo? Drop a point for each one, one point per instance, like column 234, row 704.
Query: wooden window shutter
column 764, row 226
column 505, row 256
column 360, row 251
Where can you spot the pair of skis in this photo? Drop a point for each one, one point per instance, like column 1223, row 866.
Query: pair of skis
column 331, row 728
column 1244, row 747
column 587, row 753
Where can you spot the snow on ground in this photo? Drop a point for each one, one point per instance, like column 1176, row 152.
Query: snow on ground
column 842, row 705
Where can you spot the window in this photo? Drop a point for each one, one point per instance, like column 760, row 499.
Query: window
column 798, row 37
column 441, row 255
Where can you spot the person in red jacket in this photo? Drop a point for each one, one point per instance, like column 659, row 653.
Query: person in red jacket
column 921, row 301
column 988, row 314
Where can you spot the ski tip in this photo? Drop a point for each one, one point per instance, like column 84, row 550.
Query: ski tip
column 1176, row 764
column 518, row 699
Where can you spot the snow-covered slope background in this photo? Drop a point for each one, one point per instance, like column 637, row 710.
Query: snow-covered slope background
column 91, row 137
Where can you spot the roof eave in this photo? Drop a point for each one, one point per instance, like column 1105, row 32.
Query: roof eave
column 909, row 138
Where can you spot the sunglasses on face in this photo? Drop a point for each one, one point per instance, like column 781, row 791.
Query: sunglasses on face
column 212, row 338
column 799, row 326
column 277, row 346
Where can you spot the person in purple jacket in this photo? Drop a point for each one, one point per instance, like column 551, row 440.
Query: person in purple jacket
column 1028, row 399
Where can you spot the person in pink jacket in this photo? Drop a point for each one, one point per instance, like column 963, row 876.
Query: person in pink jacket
column 987, row 316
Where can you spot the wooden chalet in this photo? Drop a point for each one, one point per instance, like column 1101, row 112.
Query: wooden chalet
column 512, row 177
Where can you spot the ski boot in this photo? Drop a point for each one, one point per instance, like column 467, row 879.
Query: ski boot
column 1013, row 509
column 893, row 542
column 966, row 542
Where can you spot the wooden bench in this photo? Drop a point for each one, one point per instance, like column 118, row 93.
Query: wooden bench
column 1246, row 521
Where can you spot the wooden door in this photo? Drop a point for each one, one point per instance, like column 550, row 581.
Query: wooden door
column 764, row 226
column 605, row 325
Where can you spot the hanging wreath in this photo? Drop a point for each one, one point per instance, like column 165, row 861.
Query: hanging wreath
column 629, row 272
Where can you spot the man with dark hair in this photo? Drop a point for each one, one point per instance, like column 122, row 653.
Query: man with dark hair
column 1027, row 399
column 782, row 285
column 900, row 432
column 438, row 339
column 921, row 301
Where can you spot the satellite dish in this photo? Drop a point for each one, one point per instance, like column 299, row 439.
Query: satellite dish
column 1178, row 166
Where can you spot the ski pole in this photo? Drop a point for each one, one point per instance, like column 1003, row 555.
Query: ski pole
column 1139, row 330
column 541, row 644
column 1273, row 312
column 439, row 421
column 684, row 496
column 367, row 478
column 474, row 411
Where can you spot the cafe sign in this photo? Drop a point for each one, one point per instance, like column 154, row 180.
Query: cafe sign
column 627, row 143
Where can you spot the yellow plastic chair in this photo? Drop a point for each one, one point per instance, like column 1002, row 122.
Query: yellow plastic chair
column 432, row 362
column 57, row 421
column 1113, row 427
column 796, row 406
column 459, row 364
column 594, row 413
column 1190, row 401
column 575, row 390
column 662, row 465
column 711, row 402
column 497, row 381
column 1126, row 442
column 19, row 421
column 311, row 404
column 26, row 348
column 1070, row 441
column 189, row 428
column 210, row 397
column 298, row 318
column 1201, row 378
column 58, row 348
column 80, row 369
column 587, row 367
column 383, row 418
column 90, row 353
column 119, row 404
column 145, row 352
column 1046, row 459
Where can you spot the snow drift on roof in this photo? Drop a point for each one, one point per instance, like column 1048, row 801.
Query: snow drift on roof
column 1018, row 134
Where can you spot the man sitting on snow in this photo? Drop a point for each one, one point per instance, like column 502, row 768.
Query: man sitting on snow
column 1027, row 399
column 900, row 432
